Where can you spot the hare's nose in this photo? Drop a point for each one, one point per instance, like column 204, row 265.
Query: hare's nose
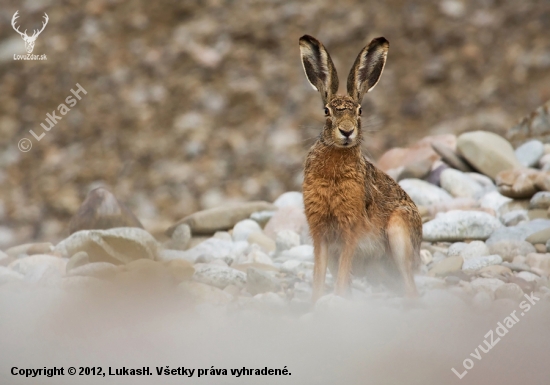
column 347, row 134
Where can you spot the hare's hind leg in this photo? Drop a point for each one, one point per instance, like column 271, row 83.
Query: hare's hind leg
column 320, row 268
column 402, row 250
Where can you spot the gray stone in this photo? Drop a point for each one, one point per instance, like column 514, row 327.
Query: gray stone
column 219, row 276
column 446, row 266
column 118, row 245
column 476, row 263
column 528, row 276
column 540, row 200
column 258, row 281
column 518, row 233
column 459, row 225
column 295, row 267
column 424, row 193
column 493, row 200
column 515, row 217
column 529, row 153
column 474, row 249
column 488, row 152
column 300, row 253
column 450, row 157
column 459, row 184
column 244, row 228
column 456, row 248
column 287, row 239
column 212, row 248
column 181, row 237
column 220, row 218
column 291, row 198
column 262, row 217
column 259, row 238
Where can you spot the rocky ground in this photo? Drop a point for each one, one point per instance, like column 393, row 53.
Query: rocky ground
column 192, row 104
column 485, row 255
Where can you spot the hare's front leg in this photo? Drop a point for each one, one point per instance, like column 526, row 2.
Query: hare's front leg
column 343, row 279
column 320, row 250
column 402, row 250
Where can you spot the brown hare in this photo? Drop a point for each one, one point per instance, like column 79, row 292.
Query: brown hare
column 357, row 214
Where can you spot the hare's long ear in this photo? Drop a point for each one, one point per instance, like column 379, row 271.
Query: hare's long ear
column 318, row 67
column 367, row 69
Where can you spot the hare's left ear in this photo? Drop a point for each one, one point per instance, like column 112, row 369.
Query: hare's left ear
column 367, row 69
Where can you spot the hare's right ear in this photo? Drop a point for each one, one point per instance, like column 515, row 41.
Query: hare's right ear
column 367, row 69
column 318, row 67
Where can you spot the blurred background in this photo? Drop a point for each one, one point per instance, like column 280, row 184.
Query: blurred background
column 193, row 104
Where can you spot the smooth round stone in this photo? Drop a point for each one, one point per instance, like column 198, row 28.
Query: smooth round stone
column 287, row 239
column 488, row 285
column 459, row 184
column 474, row 249
column 219, row 276
column 258, row 281
column 527, row 276
column 520, row 232
column 476, row 263
column 259, row 238
column 493, row 271
column 458, row 225
column 528, row 154
column 79, row 259
column 301, row 253
column 291, row 198
column 424, row 193
column 487, row 152
column 244, row 228
column 540, row 200
column 508, row 249
column 456, row 248
column 493, row 200
column 450, row 157
column 515, row 217
column 541, row 236
column 181, row 236
column 446, row 266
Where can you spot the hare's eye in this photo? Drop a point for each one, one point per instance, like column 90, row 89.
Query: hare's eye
column 327, row 112
column 360, row 111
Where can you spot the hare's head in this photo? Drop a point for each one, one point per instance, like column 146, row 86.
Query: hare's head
column 343, row 112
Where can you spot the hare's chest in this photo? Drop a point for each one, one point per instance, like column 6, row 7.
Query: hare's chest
column 335, row 205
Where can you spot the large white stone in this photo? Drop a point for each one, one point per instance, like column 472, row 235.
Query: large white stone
column 460, row 225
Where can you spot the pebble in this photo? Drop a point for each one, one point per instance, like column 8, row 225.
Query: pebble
column 493, row 271
column 298, row 253
column 493, row 200
column 258, row 281
column 539, row 261
column 286, row 239
column 79, row 259
column 510, row 248
column 476, row 263
column 460, row 185
column 103, row 270
column 529, row 153
column 451, row 157
column 456, row 248
column 446, row 266
column 118, row 245
column 527, row 276
column 474, row 249
column 424, row 193
column 244, row 228
column 181, row 237
column 259, row 238
column 288, row 218
column 488, row 152
column 515, row 217
column 459, row 225
column 27, row 265
column 520, row 232
column 290, row 198
column 203, row 293
column 30, row 249
column 219, row 276
column 541, row 236
column 220, row 218
column 517, row 183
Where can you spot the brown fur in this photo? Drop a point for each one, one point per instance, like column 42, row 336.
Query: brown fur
column 356, row 212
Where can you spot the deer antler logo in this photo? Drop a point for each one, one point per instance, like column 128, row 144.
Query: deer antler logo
column 29, row 40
